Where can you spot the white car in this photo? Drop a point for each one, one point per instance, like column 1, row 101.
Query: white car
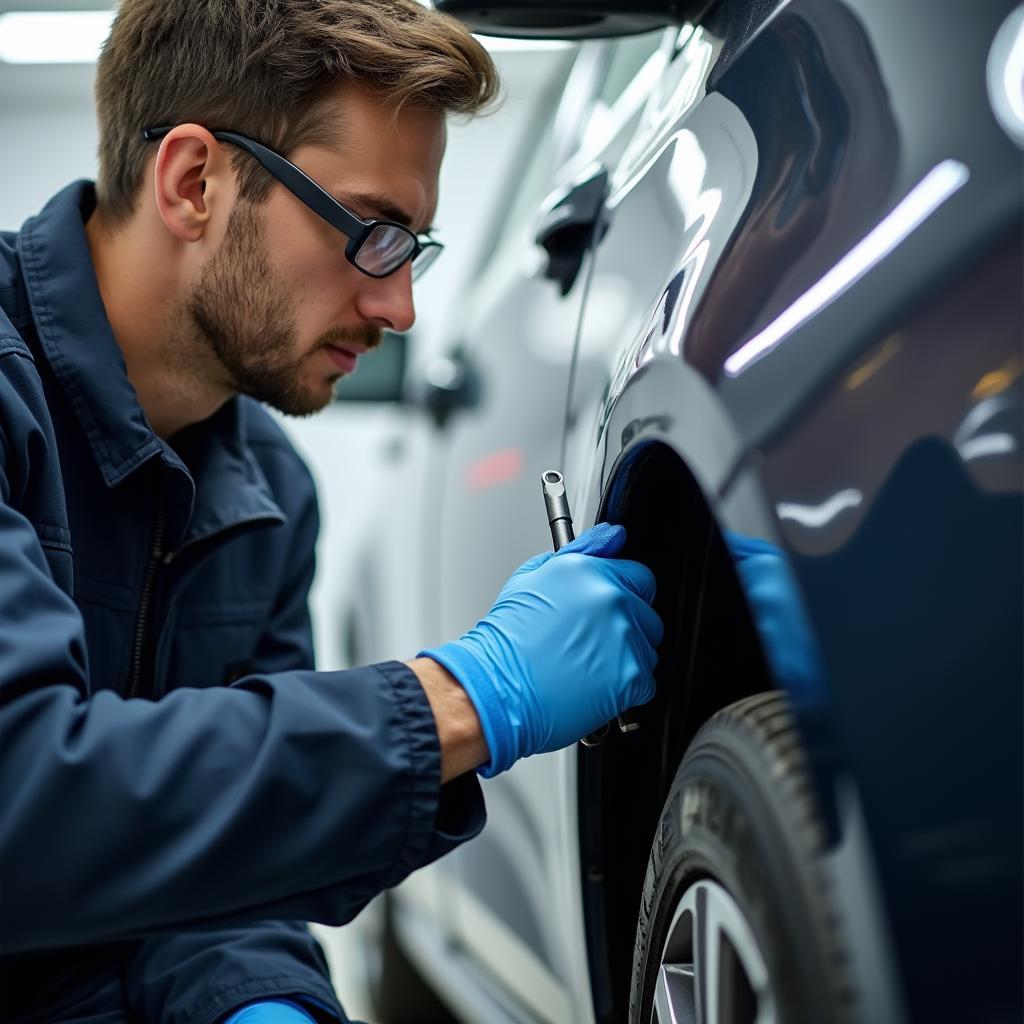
column 758, row 295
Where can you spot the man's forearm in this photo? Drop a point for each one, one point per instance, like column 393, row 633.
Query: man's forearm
column 463, row 746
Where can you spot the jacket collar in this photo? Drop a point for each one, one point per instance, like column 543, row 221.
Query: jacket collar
column 79, row 344
column 231, row 488
column 76, row 336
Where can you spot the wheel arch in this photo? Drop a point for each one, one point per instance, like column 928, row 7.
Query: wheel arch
column 711, row 656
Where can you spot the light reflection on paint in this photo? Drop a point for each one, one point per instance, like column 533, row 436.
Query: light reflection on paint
column 695, row 62
column 997, row 381
column 987, row 444
column 646, row 148
column 863, row 373
column 815, row 516
column 685, row 177
column 984, row 411
column 1013, row 76
column 920, row 203
column 1005, row 73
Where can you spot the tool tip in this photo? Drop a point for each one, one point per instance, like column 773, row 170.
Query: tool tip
column 553, row 484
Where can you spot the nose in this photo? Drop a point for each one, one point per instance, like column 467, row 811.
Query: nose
column 387, row 301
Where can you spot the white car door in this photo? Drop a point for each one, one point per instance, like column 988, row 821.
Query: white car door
column 510, row 904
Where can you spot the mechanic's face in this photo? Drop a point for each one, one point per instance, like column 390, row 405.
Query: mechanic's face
column 279, row 297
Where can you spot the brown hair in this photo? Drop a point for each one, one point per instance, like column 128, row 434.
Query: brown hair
column 260, row 67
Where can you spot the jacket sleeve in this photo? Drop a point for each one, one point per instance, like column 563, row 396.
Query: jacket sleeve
column 294, row 795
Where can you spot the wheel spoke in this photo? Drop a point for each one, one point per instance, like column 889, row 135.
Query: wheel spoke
column 707, row 933
column 674, row 998
column 745, row 963
column 712, row 970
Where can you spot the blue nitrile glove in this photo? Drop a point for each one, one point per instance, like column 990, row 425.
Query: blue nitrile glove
column 271, row 1011
column 568, row 645
column 778, row 610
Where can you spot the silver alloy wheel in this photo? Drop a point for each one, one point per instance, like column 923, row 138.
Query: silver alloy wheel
column 711, row 969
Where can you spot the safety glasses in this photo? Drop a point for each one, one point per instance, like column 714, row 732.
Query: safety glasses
column 376, row 247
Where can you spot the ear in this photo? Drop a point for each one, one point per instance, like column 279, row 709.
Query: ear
column 192, row 175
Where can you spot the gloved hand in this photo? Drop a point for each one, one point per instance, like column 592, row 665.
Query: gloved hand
column 568, row 645
column 271, row 1011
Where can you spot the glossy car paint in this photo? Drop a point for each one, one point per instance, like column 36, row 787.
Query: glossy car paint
column 877, row 436
column 807, row 289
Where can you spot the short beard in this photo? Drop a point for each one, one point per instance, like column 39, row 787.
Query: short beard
column 242, row 315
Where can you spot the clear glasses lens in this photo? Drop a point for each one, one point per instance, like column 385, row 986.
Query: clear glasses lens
column 425, row 259
column 386, row 248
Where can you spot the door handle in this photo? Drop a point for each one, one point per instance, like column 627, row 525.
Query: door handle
column 448, row 384
column 568, row 223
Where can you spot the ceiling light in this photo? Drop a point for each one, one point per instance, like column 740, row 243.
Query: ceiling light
column 53, row 37
column 501, row 44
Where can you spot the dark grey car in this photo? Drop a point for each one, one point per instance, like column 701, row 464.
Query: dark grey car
column 770, row 320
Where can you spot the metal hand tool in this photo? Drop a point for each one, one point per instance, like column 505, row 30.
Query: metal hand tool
column 560, row 522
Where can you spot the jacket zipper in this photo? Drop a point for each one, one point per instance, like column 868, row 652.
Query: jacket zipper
column 167, row 558
column 149, row 583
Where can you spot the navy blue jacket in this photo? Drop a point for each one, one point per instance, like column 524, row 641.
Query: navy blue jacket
column 177, row 787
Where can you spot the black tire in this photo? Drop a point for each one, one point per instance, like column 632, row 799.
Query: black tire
column 740, row 831
column 397, row 992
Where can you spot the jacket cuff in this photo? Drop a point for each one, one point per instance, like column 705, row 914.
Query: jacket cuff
column 311, row 991
column 439, row 818
column 271, row 1011
column 486, row 700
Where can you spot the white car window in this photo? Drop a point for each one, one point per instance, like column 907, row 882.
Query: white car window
column 629, row 56
column 603, row 73
column 630, row 59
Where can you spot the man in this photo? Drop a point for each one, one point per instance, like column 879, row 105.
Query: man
column 177, row 786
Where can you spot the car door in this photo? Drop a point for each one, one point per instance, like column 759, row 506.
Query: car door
column 514, row 361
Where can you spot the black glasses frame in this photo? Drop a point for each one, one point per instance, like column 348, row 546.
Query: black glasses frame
column 324, row 205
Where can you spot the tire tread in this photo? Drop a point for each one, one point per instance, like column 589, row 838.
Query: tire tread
column 765, row 721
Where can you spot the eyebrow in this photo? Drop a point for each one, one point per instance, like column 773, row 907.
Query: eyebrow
column 382, row 205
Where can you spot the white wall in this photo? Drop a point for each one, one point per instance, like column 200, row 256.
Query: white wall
column 48, row 134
